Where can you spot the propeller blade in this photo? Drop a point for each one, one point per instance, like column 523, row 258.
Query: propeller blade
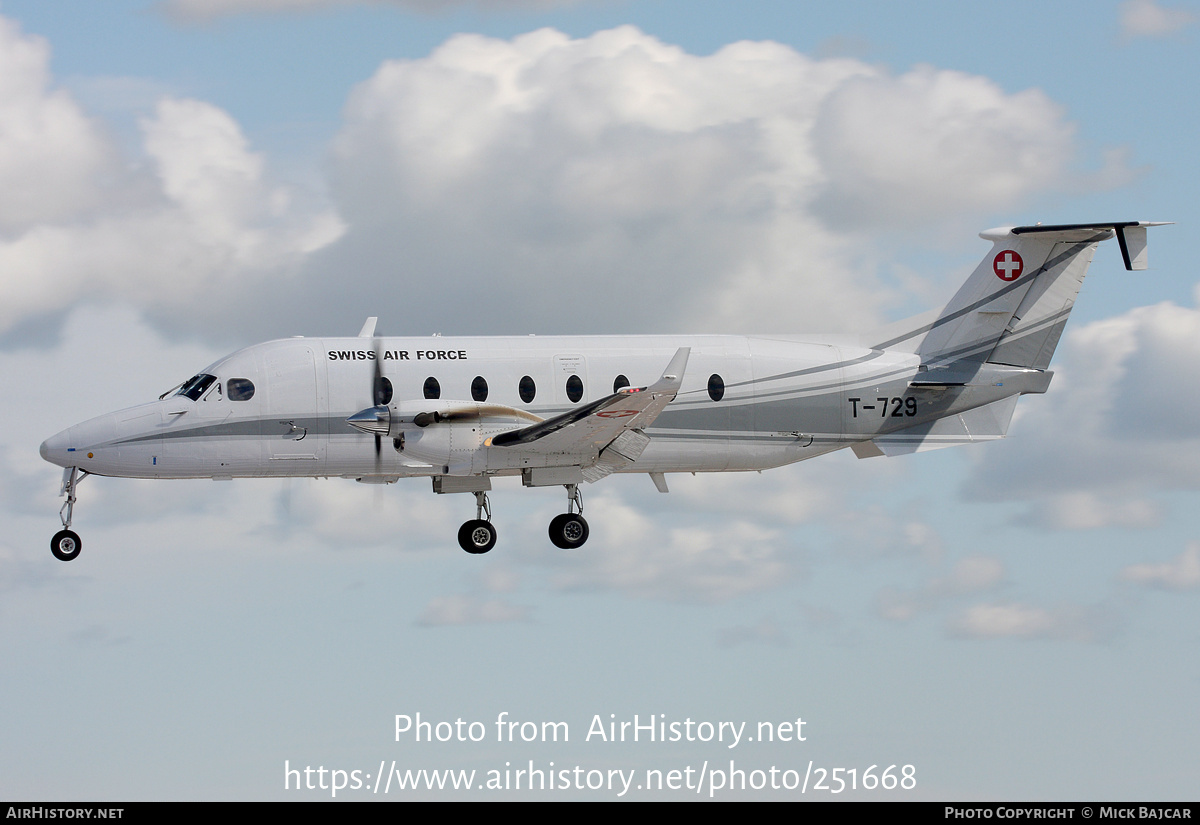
column 381, row 386
column 381, row 394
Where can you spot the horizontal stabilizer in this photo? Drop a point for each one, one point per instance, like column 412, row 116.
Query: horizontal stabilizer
column 986, row 423
column 1131, row 235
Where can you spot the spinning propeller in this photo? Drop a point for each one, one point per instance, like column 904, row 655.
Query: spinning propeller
column 381, row 419
column 381, row 395
column 376, row 419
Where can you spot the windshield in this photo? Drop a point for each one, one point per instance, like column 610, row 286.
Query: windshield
column 195, row 386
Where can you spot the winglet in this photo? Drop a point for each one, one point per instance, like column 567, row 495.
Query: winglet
column 672, row 377
column 368, row 328
column 1133, row 243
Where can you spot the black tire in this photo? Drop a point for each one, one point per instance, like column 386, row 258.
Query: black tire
column 556, row 530
column 568, row 531
column 66, row 545
column 477, row 536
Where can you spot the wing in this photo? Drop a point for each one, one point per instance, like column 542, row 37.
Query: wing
column 606, row 434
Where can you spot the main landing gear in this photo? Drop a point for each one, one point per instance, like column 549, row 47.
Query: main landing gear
column 570, row 530
column 478, row 535
column 66, row 543
column 567, row 531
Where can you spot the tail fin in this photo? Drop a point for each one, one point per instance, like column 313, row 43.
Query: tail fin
column 1013, row 308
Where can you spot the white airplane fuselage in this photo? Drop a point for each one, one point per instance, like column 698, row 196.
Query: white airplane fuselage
column 774, row 401
column 565, row 410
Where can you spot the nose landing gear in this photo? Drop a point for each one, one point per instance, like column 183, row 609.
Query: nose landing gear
column 66, row 543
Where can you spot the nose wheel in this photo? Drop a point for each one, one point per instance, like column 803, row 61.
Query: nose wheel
column 66, row 543
column 570, row 530
column 478, row 535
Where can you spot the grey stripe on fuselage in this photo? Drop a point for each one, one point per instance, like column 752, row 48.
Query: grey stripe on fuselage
column 232, row 429
column 871, row 356
column 808, row 390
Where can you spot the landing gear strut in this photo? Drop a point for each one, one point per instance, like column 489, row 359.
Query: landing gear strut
column 478, row 535
column 570, row 530
column 66, row 543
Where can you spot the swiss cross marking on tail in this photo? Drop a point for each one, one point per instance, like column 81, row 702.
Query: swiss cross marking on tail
column 1008, row 265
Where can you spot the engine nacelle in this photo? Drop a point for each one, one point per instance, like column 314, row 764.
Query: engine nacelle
column 450, row 434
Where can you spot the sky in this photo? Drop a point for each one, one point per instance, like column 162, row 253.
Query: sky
column 1014, row 620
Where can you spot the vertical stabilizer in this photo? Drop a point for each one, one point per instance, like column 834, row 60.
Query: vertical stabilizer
column 1013, row 308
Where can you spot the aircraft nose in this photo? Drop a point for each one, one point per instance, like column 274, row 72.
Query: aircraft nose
column 54, row 449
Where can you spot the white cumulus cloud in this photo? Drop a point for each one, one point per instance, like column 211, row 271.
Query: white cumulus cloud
column 932, row 143
column 1102, row 440
column 53, row 158
column 611, row 183
column 1015, row 620
column 706, row 562
column 193, row 211
column 213, row 222
column 974, row 574
column 1180, row 573
column 1148, row 18
column 616, row 182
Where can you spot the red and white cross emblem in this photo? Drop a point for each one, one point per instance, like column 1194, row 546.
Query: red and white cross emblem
column 1008, row 265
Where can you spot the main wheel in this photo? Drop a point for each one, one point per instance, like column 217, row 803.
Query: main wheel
column 477, row 536
column 568, row 531
column 65, row 545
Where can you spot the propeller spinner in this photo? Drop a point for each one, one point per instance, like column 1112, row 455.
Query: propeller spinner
column 375, row 420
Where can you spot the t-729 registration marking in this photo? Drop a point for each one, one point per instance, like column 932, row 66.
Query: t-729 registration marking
column 900, row 407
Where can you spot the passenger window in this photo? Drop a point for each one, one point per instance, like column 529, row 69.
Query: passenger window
column 574, row 388
column 432, row 388
column 383, row 390
column 479, row 388
column 527, row 389
column 716, row 387
column 620, row 383
column 240, row 389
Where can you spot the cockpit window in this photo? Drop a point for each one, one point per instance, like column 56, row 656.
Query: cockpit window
column 240, row 389
column 196, row 386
